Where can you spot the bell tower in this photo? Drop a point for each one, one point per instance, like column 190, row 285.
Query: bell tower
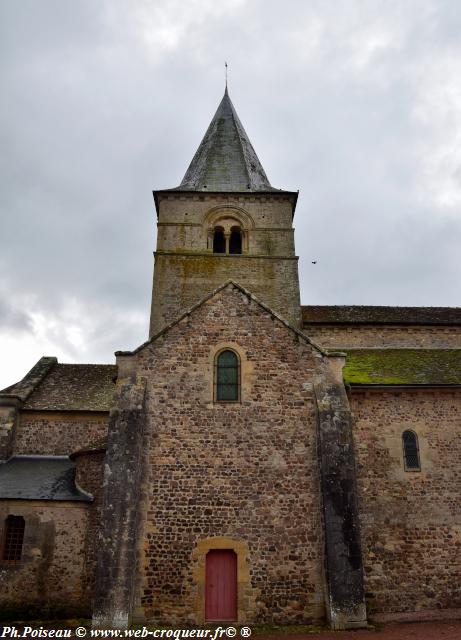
column 224, row 222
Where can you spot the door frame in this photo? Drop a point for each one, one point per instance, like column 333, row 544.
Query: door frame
column 246, row 595
column 230, row 553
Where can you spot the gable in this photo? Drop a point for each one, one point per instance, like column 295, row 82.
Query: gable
column 276, row 360
column 244, row 300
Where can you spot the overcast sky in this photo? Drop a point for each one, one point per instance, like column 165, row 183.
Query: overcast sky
column 355, row 103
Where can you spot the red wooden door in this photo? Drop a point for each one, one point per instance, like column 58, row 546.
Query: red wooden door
column 221, row 585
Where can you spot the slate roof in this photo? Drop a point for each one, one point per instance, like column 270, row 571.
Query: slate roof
column 403, row 367
column 69, row 387
column 40, row 478
column 225, row 159
column 380, row 315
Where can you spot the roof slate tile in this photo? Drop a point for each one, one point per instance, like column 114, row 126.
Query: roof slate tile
column 75, row 387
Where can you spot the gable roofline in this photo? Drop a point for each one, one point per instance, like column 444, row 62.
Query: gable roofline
column 251, row 297
column 54, row 386
column 24, row 388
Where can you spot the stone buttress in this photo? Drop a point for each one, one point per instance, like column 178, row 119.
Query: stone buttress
column 116, row 562
column 343, row 556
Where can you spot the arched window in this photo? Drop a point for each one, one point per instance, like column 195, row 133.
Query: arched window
column 12, row 539
column 219, row 240
column 227, row 377
column 410, row 451
column 235, row 242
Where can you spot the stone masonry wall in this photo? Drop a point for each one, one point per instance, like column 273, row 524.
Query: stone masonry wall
column 58, row 433
column 272, row 211
column 353, row 337
column 89, row 477
column 49, row 578
column 186, row 269
column 8, row 420
column 181, row 281
column 410, row 520
column 232, row 475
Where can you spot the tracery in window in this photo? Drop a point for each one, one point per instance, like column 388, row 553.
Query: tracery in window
column 410, row 451
column 13, row 539
column 227, row 377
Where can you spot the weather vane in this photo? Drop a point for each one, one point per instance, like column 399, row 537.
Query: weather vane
column 225, row 64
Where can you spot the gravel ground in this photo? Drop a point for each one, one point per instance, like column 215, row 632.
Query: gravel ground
column 406, row 631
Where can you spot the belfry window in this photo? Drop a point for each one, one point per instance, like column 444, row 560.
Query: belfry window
column 227, row 377
column 235, row 241
column 410, row 451
column 13, row 539
column 227, row 241
column 219, row 240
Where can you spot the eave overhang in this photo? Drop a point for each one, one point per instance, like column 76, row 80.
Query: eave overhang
column 180, row 192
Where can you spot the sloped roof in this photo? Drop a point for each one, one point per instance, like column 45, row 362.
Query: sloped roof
column 380, row 315
column 32, row 379
column 225, row 159
column 68, row 387
column 403, row 367
column 75, row 387
column 40, row 478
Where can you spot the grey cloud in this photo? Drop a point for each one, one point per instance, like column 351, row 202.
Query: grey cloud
column 12, row 319
column 102, row 102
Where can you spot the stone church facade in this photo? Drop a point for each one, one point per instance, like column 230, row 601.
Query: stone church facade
column 256, row 460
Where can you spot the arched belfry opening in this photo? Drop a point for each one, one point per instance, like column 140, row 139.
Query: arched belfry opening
column 235, row 240
column 219, row 240
column 227, row 236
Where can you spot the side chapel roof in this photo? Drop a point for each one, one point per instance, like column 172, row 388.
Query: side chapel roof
column 427, row 367
column 40, row 478
column 52, row 386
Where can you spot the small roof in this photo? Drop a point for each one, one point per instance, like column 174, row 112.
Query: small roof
column 429, row 367
column 67, row 387
column 75, row 387
column 40, row 478
column 338, row 314
column 225, row 159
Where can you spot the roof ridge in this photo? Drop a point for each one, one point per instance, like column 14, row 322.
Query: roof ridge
column 86, row 364
column 372, row 306
column 238, row 125
column 380, row 314
column 25, row 387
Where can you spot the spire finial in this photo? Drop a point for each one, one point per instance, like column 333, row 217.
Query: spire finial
column 225, row 65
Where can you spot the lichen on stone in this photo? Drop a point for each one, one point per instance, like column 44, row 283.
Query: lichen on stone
column 403, row 366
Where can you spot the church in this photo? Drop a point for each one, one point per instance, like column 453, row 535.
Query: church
column 255, row 460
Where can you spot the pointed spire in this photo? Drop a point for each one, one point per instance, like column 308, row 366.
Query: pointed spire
column 225, row 159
